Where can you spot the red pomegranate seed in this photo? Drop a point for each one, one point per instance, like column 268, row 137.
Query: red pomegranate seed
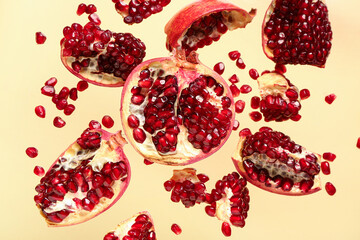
column 296, row 118
column 245, row 132
column 245, row 89
column 69, row 109
column 236, row 125
column 255, row 116
column 61, row 104
column 48, row 91
column 40, row 111
column 240, row 63
column 91, row 9
column 226, row 229
column 330, row 98
column 139, row 135
column 73, row 94
column 234, row 79
column 265, row 72
column 239, row 106
column 107, row 121
column 64, row 93
column 280, row 68
column 219, row 68
column 255, row 102
column 330, row 188
column 94, row 18
column 93, row 124
column 253, row 73
column 82, row 86
column 325, row 168
column 304, row 94
column 51, row 82
column 234, row 90
column 133, row 121
column 39, row 171
column 40, row 38
column 148, row 162
column 81, row 9
column 176, row 229
column 31, row 152
column 233, row 55
column 358, row 143
column 203, row 177
column 210, row 211
column 329, row 156
column 59, row 122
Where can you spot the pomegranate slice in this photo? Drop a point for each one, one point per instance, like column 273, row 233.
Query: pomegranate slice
column 87, row 179
column 140, row 226
column 202, row 22
column 279, row 98
column 175, row 112
column 135, row 11
column 101, row 57
column 271, row 161
column 187, row 187
column 297, row 32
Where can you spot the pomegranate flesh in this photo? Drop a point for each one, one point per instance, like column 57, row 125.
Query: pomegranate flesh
column 87, row 179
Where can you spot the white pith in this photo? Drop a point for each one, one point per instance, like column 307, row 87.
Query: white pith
column 223, row 206
column 185, row 174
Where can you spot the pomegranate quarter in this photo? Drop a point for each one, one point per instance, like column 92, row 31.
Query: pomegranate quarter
column 87, row 179
column 271, row 161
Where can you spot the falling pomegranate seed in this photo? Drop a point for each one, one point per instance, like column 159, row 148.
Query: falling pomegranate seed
column 234, row 79
column 40, row 111
column 304, row 94
column 265, row 72
column 240, row 63
column 107, row 121
column 234, row 90
column 226, row 229
column 253, row 73
column 330, row 188
column 176, row 229
column 148, row 162
column 69, row 109
column 280, row 68
column 245, row 89
column 236, row 125
column 219, row 68
column 255, row 102
column 64, row 93
column 91, row 9
column 40, row 38
column 330, row 98
column 82, row 86
column 48, row 91
column 51, row 82
column 94, row 18
column 245, row 132
column 325, row 168
column 239, row 106
column 39, row 171
column 59, row 122
column 233, row 55
column 31, row 152
column 296, row 118
column 61, row 104
column 358, row 143
column 329, row 156
column 255, row 116
column 81, row 9
column 73, row 94
column 93, row 124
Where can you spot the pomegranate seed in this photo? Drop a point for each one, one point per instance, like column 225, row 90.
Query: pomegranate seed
column 94, row 18
column 107, row 121
column 236, row 125
column 245, row 132
column 64, row 93
column 245, row 89
column 133, row 121
column 93, row 124
column 61, row 104
column 210, row 211
column 304, row 94
column 296, row 118
column 239, row 106
column 39, row 171
column 203, row 177
column 280, row 68
column 51, row 82
column 48, row 90
column 69, row 109
column 325, row 168
column 329, row 156
column 91, row 9
column 59, row 122
column 176, row 229
column 234, row 79
column 73, row 94
column 226, row 229
column 330, row 98
column 358, row 143
column 253, row 73
column 40, row 38
column 255, row 116
column 219, row 68
column 233, row 55
column 240, row 63
column 168, row 185
column 139, row 135
column 81, row 9
column 40, row 111
column 82, row 86
column 148, row 162
column 234, row 90
column 330, row 188
column 31, row 152
column 255, row 102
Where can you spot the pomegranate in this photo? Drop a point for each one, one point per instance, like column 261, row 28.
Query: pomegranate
column 229, row 202
column 101, row 57
column 271, row 161
column 279, row 98
column 140, row 226
column 87, row 179
column 203, row 22
column 297, row 32
column 187, row 187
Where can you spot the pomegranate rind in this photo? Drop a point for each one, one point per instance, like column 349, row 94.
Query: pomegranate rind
column 112, row 147
column 186, row 154
column 176, row 28
column 295, row 191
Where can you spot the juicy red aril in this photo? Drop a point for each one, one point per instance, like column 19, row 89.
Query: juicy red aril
column 64, row 93
column 330, row 188
column 275, row 108
column 235, row 90
column 280, row 68
column 304, row 94
column 93, row 124
column 91, row 9
column 330, row 98
column 255, row 116
column 111, row 236
column 94, row 18
column 253, row 73
column 89, row 140
column 329, row 156
column 139, row 135
column 240, row 63
column 59, row 122
column 39, row 171
column 203, row 178
column 40, row 111
column 82, row 85
column 236, row 125
column 141, row 228
column 31, row 152
column 69, row 109
column 234, row 79
column 61, row 104
column 81, row 9
column 239, row 106
column 255, row 102
column 73, row 94
column 325, row 168
column 358, row 143
column 233, row 55
column 148, row 162
column 244, row 132
column 40, row 38
column 210, row 210
column 107, row 121
column 51, row 82
column 245, row 89
column 219, row 68
column 133, row 121
column 48, row 90
column 176, row 229
column 226, row 229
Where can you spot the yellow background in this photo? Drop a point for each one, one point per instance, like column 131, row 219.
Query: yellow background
column 25, row 66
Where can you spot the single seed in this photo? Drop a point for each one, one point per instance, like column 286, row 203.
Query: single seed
column 234, row 90
column 245, row 89
column 91, row 9
column 40, row 38
column 253, row 73
column 48, row 90
column 39, row 171
column 280, row 68
column 255, row 102
column 255, row 116
column 329, row 156
column 82, row 85
column 234, row 79
column 107, row 121
column 219, row 68
column 226, row 229
column 304, row 94
column 233, row 55
column 176, row 229
column 240, row 63
column 73, row 94
column 94, row 18
column 69, row 109
column 32, row 152
column 330, row 98
column 93, row 124
column 325, row 168
column 59, row 122
column 51, row 82
column 148, row 162
column 40, row 111
column 239, row 106
column 358, row 143
column 236, row 125
column 330, row 188
column 81, row 9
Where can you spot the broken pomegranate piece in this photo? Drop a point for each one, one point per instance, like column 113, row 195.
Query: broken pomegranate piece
column 271, row 161
column 297, row 32
column 87, row 179
column 140, row 226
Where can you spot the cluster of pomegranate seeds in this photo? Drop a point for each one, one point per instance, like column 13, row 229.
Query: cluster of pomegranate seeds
column 176, row 229
column 89, row 140
column 40, row 38
column 255, row 116
column 304, row 94
column 233, row 55
column 280, row 169
column 253, row 73
column 329, row 156
column 330, row 188
column 39, row 171
column 147, row 162
column 299, row 32
column 219, row 68
column 107, row 121
column 330, row 98
column 240, row 63
column 239, row 106
column 88, row 9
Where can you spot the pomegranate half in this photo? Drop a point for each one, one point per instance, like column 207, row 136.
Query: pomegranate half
column 85, row 180
column 271, row 161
